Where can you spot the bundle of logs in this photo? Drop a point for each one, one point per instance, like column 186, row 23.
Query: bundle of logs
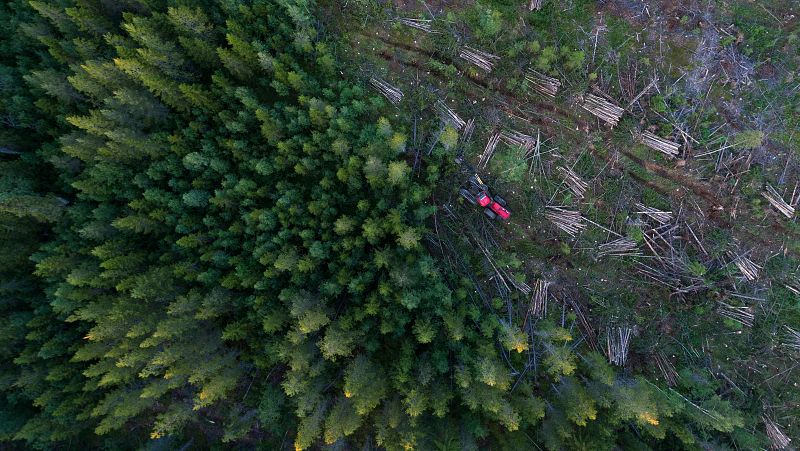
column 662, row 217
column 665, row 146
column 603, row 109
column 741, row 314
column 746, row 266
column 792, row 339
column 449, row 116
column 620, row 247
column 569, row 221
column 466, row 133
column 510, row 137
column 543, row 84
column 776, row 436
column 573, row 181
column 666, row 368
column 618, row 341
column 535, row 5
column 539, row 300
column 393, row 94
column 777, row 201
column 419, row 24
column 488, row 151
column 479, row 58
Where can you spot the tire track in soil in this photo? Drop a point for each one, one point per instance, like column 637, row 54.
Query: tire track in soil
column 703, row 191
column 480, row 81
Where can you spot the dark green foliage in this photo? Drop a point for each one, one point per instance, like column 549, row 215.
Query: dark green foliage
column 212, row 237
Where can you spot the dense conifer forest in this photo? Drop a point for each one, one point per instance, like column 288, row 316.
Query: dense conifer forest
column 217, row 234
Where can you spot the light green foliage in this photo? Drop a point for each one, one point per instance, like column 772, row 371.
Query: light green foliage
column 398, row 172
column 546, row 59
column 748, row 139
column 573, row 59
column 398, row 142
column 560, row 362
column 449, row 137
column 491, row 22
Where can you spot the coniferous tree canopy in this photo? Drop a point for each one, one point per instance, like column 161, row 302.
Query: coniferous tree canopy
column 213, row 235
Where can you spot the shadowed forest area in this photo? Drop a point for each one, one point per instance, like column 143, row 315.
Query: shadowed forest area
column 399, row 224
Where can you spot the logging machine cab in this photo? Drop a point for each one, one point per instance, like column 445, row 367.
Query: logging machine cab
column 478, row 194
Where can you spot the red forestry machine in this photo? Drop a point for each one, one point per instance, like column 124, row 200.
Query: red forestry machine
column 477, row 193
